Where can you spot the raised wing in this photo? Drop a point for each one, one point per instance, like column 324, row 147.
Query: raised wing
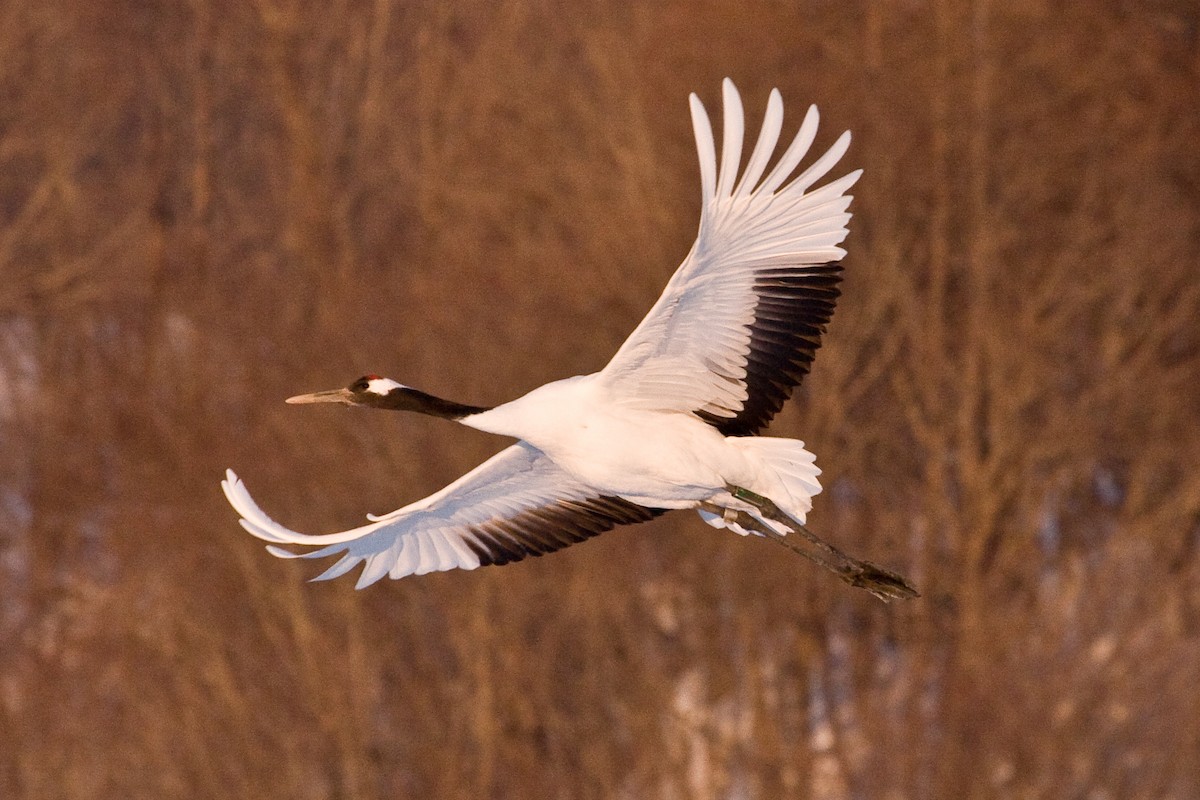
column 739, row 323
column 515, row 504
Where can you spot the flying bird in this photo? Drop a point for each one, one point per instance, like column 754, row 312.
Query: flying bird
column 669, row 423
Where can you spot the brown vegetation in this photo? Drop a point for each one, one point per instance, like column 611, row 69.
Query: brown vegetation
column 206, row 207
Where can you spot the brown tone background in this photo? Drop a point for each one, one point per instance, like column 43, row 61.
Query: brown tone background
column 207, row 207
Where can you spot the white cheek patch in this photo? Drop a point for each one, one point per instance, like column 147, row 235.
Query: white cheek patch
column 382, row 386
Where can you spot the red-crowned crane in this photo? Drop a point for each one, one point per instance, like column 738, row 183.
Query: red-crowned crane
column 669, row 422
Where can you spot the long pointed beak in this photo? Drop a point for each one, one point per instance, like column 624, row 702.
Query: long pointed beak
column 330, row 396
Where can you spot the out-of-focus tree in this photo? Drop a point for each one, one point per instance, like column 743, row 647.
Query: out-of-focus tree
column 206, row 207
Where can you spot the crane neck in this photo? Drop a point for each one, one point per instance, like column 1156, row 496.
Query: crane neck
column 406, row 398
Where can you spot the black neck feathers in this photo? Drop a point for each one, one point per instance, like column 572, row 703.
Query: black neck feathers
column 408, row 399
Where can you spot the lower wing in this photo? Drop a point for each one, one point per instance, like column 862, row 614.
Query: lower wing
column 516, row 504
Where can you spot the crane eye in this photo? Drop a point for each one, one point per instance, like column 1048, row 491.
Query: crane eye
column 360, row 385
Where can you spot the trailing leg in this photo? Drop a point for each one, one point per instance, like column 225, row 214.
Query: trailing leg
column 883, row 583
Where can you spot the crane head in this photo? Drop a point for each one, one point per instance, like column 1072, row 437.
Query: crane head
column 369, row 390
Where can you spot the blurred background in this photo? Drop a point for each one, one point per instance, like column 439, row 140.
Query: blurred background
column 206, row 207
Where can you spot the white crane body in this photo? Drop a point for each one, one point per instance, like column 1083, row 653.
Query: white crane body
column 660, row 459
